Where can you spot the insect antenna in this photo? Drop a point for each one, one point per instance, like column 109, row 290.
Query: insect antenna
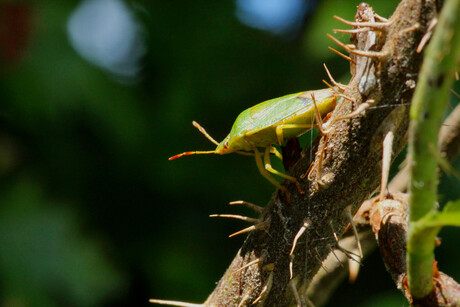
column 188, row 153
column 204, row 132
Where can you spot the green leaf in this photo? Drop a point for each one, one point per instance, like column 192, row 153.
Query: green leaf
column 450, row 216
column 452, row 207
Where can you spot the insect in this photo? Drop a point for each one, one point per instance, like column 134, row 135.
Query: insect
column 272, row 122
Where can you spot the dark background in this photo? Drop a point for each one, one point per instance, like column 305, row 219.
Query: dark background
column 97, row 94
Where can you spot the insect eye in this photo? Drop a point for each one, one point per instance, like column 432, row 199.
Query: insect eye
column 226, row 145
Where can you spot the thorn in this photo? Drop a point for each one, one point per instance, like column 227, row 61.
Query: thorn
column 347, row 98
column 362, row 107
column 328, row 85
column 238, row 217
column 259, row 226
column 318, row 256
column 339, row 85
column 371, row 54
column 340, row 248
column 386, row 163
column 247, row 204
column 348, row 253
column 380, row 18
column 348, row 48
column 342, row 55
column 355, row 231
column 333, row 232
column 352, row 31
column 386, row 217
column 244, row 299
column 381, row 26
column 295, row 293
column 336, row 257
column 174, row 303
column 248, row 229
column 416, row 26
column 265, row 290
column 427, row 35
column 352, row 49
column 248, row 265
column 302, row 229
column 353, row 270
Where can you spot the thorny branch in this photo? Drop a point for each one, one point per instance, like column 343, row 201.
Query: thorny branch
column 350, row 170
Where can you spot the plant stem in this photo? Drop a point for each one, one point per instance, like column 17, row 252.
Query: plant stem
column 428, row 105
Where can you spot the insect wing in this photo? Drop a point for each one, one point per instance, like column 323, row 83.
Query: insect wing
column 269, row 113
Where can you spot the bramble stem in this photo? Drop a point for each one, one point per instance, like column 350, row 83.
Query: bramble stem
column 428, row 106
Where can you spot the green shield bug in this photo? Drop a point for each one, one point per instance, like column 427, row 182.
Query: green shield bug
column 272, row 122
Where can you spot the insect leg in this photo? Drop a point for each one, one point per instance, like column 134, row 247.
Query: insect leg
column 269, row 168
column 325, row 129
column 275, row 151
column 279, row 130
column 264, row 172
column 244, row 153
column 324, row 132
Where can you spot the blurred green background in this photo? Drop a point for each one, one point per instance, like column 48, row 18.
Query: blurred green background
column 97, row 94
